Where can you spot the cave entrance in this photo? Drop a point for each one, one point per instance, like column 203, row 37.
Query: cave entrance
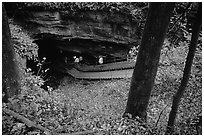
column 62, row 52
column 58, row 55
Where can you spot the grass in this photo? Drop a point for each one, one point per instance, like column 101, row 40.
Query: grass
column 83, row 105
column 93, row 103
column 99, row 105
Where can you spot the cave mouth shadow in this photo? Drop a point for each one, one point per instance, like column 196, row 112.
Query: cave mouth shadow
column 55, row 56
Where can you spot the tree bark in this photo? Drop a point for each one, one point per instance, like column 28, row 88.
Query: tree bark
column 148, row 58
column 192, row 48
column 10, row 70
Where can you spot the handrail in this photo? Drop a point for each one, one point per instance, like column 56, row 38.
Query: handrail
column 116, row 74
column 104, row 71
column 105, row 67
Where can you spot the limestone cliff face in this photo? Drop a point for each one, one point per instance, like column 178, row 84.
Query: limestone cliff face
column 86, row 33
column 94, row 25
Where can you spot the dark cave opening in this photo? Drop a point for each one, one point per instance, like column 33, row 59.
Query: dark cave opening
column 58, row 55
column 61, row 52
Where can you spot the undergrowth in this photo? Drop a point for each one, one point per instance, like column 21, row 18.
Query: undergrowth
column 78, row 106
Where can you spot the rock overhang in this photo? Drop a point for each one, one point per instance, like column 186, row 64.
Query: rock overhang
column 92, row 30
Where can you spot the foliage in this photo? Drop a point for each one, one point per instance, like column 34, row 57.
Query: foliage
column 181, row 22
column 123, row 7
column 98, row 105
column 11, row 126
column 35, row 103
column 80, row 105
column 23, row 43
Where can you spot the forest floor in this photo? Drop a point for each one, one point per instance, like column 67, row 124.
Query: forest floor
column 97, row 106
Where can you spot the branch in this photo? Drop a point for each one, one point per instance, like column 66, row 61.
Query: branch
column 79, row 133
column 28, row 122
column 181, row 17
column 160, row 115
column 145, row 7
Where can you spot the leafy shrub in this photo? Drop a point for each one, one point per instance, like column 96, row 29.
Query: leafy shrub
column 23, row 43
column 35, row 104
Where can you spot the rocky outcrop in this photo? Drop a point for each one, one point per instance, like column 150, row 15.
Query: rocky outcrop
column 87, row 33
column 94, row 25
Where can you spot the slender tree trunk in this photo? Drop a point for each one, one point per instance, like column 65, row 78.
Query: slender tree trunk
column 148, row 58
column 187, row 70
column 10, row 71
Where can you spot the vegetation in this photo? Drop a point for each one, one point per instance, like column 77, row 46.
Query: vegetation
column 96, row 107
column 122, row 7
column 187, row 69
column 23, row 43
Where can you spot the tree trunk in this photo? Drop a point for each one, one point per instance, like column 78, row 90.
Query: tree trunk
column 187, row 69
column 148, row 58
column 10, row 71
